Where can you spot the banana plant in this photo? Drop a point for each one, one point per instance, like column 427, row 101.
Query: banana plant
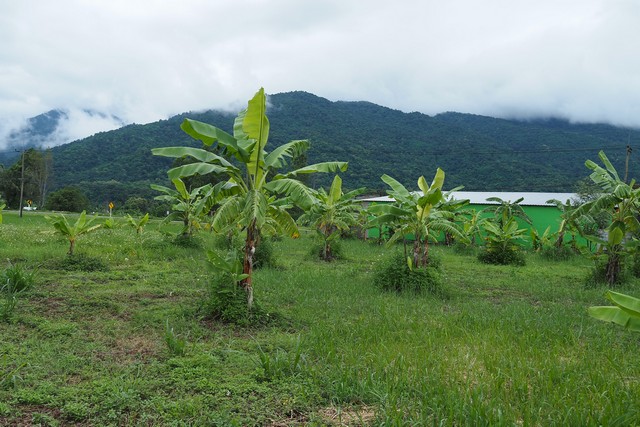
column 507, row 209
column 72, row 232
column 138, row 224
column 2, row 206
column 333, row 213
column 622, row 202
column 415, row 214
column 473, row 225
column 253, row 182
column 625, row 311
column 187, row 206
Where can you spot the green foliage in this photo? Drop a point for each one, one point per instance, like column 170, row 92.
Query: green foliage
column 625, row 312
column 17, row 279
column 72, row 232
column 506, row 209
column 138, row 224
column 14, row 281
column 395, row 275
column 187, row 206
column 331, row 215
column 416, row 214
column 281, row 364
column 265, row 256
column 499, row 156
column 599, row 274
column 248, row 198
column 37, row 169
column 620, row 200
column 319, row 250
column 68, row 199
column 77, row 262
column 9, row 372
column 558, row 253
column 501, row 245
column 2, row 206
column 175, row 344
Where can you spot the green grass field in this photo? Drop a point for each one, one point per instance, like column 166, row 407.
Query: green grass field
column 510, row 346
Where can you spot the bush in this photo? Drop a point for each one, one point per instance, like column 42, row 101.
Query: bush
column 16, row 279
column 77, row 262
column 501, row 257
column 598, row 275
column 227, row 302
column 394, row 275
column 555, row 253
column 264, row 255
column 317, row 250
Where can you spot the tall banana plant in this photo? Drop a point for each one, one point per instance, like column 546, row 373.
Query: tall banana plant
column 253, row 183
column 416, row 214
column 622, row 202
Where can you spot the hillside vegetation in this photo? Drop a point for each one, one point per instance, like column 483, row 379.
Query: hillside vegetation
column 481, row 153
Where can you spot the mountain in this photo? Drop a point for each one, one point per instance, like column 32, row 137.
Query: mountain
column 481, row 153
column 46, row 130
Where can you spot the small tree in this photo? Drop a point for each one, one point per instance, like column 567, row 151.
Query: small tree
column 415, row 214
column 69, row 199
column 253, row 182
column 501, row 243
column 2, row 206
column 331, row 214
column 72, row 232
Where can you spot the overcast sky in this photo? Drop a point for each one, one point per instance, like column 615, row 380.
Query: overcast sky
column 143, row 60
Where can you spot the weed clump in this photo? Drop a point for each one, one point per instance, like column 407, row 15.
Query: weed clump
column 498, row 256
column 77, row 262
column 394, row 275
column 318, row 251
column 227, row 303
column 558, row 253
column 598, row 275
column 16, row 279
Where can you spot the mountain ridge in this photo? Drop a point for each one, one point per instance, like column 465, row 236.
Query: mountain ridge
column 479, row 152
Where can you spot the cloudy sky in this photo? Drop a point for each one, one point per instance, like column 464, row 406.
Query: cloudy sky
column 143, row 60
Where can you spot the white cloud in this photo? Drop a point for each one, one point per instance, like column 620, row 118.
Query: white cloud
column 145, row 60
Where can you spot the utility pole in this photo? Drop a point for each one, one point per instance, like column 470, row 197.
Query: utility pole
column 626, row 163
column 21, row 183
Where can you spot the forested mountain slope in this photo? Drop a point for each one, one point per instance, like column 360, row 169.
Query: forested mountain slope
column 481, row 153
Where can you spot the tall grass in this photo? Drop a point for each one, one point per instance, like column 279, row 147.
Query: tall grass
column 511, row 345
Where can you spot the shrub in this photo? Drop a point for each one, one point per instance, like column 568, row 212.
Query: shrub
column 17, row 279
column 264, row 255
column 598, row 275
column 558, row 253
column 13, row 282
column 395, row 275
column 317, row 251
column 227, row 302
column 501, row 257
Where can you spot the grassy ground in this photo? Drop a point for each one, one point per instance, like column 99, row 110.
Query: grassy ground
column 511, row 345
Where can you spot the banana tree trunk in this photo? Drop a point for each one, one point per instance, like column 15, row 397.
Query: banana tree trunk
column 247, row 266
column 72, row 245
column 614, row 266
